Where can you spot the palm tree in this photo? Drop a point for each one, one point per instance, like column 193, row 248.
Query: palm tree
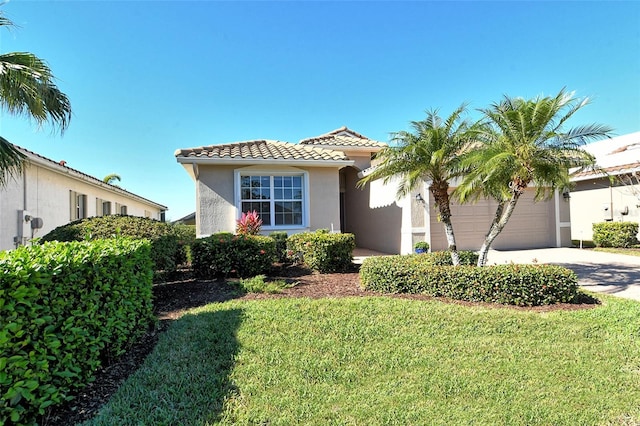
column 111, row 178
column 524, row 143
column 27, row 88
column 428, row 153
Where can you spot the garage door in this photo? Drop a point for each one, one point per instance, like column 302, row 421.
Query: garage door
column 532, row 225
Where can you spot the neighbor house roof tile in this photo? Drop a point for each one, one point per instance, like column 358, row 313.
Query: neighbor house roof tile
column 613, row 170
column 263, row 150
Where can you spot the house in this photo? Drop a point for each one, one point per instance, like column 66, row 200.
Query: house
column 49, row 194
column 612, row 191
column 312, row 184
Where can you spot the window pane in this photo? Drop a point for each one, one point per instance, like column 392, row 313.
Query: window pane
column 266, row 194
column 245, row 194
column 288, row 194
column 277, row 181
column 297, row 194
column 245, row 181
column 297, row 181
column 277, row 194
column 255, row 181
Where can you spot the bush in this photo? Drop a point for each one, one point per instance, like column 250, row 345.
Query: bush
column 166, row 251
column 66, row 307
column 615, row 234
column 249, row 224
column 225, row 254
column 521, row 285
column 421, row 247
column 280, row 237
column 258, row 284
column 322, row 251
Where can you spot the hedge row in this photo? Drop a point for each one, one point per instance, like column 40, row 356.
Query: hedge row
column 322, row 251
column 168, row 242
column 225, row 254
column 64, row 308
column 615, row 234
column 521, row 285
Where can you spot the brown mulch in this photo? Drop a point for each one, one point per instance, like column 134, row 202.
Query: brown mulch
column 173, row 299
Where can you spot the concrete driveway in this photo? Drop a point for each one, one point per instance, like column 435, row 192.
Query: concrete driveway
column 614, row 274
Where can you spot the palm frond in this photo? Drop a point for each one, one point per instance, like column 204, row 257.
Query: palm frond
column 11, row 161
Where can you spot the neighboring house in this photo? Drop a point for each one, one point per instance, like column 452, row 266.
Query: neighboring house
column 189, row 219
column 50, row 194
column 612, row 192
column 312, row 185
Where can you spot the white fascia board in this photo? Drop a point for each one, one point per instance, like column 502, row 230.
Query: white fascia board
column 277, row 162
column 71, row 173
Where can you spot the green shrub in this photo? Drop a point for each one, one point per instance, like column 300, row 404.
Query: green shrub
column 443, row 258
column 615, row 234
column 322, row 251
column 167, row 252
column 225, row 254
column 521, row 285
column 258, row 284
column 280, row 237
column 65, row 308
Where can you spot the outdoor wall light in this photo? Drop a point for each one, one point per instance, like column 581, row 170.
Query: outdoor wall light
column 419, row 198
column 566, row 195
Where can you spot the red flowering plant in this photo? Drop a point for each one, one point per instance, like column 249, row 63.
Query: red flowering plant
column 249, row 224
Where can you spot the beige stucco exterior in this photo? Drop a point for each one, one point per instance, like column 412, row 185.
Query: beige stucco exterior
column 599, row 200
column 217, row 197
column 43, row 191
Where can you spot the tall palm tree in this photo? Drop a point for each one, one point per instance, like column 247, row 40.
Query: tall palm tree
column 27, row 88
column 428, row 153
column 524, row 143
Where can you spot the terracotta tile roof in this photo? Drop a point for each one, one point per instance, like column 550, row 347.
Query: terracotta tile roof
column 262, row 150
column 343, row 137
column 613, row 170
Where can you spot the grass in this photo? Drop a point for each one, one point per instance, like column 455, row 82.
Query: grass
column 258, row 284
column 374, row 361
column 627, row 251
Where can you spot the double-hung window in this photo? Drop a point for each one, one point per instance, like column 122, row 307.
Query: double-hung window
column 278, row 199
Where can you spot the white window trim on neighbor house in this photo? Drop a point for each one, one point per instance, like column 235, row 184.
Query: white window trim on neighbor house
column 273, row 172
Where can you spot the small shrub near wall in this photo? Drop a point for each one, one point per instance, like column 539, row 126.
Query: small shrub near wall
column 615, row 234
column 521, row 285
column 322, row 251
column 64, row 308
column 225, row 254
column 280, row 237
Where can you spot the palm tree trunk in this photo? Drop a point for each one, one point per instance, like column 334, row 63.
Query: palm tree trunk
column 440, row 191
column 500, row 219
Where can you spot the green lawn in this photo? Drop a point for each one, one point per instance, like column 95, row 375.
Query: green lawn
column 374, row 361
column 630, row 252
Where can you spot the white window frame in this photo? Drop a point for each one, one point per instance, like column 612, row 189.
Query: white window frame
column 271, row 172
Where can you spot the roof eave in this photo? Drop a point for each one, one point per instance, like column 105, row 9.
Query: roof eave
column 51, row 165
column 274, row 161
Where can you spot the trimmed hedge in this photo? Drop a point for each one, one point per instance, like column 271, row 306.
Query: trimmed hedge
column 443, row 258
column 167, row 251
column 615, row 234
column 225, row 254
column 65, row 308
column 521, row 285
column 322, row 251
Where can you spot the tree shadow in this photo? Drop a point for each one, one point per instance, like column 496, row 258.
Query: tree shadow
column 608, row 279
column 186, row 380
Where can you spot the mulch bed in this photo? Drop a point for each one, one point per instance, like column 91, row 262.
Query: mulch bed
column 173, row 299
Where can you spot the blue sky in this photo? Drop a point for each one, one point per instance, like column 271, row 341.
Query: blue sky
column 148, row 77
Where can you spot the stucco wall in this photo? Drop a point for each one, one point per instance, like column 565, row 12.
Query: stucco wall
column 377, row 229
column 215, row 198
column 589, row 200
column 48, row 197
